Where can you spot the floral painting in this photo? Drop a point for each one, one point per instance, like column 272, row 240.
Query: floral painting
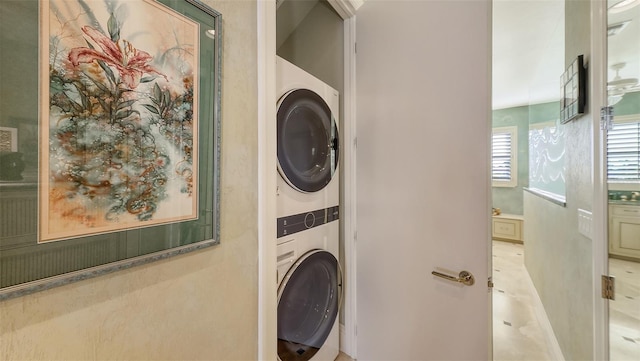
column 119, row 120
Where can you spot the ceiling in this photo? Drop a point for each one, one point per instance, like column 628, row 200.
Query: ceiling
column 528, row 49
column 289, row 15
column 528, row 46
column 624, row 47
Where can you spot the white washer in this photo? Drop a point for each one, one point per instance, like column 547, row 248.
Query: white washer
column 308, row 196
column 308, row 148
column 309, row 295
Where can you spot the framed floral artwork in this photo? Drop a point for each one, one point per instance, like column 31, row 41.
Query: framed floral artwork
column 119, row 117
column 117, row 106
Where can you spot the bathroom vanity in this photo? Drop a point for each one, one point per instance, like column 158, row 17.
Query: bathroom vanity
column 507, row 227
column 624, row 228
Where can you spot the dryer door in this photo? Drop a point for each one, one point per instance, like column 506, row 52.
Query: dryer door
column 307, row 140
column 309, row 300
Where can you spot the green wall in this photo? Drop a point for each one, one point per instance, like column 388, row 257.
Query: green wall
column 510, row 199
column 630, row 104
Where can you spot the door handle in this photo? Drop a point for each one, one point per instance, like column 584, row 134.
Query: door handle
column 465, row 277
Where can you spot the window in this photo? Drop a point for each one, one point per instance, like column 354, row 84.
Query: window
column 504, row 160
column 623, row 150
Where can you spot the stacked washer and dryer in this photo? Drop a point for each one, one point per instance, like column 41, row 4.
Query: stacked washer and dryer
column 309, row 274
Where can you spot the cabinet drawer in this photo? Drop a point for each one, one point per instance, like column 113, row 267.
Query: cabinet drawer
column 507, row 228
column 625, row 211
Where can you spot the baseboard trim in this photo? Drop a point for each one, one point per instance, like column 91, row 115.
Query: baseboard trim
column 343, row 340
column 543, row 320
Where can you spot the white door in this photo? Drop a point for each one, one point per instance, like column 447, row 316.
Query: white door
column 423, row 120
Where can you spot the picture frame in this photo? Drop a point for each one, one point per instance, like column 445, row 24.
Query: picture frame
column 573, row 91
column 31, row 263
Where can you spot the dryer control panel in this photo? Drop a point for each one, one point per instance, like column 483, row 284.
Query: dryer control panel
column 303, row 221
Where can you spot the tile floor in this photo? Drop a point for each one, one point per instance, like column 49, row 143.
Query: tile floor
column 624, row 311
column 518, row 334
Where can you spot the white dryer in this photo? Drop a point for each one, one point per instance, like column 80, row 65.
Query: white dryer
column 309, row 295
column 308, row 191
column 308, row 196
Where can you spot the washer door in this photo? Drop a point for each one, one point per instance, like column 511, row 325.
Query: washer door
column 308, row 303
column 307, row 141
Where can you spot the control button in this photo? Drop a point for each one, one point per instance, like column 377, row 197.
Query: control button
column 309, row 220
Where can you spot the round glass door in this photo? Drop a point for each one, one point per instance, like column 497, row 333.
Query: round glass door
column 307, row 141
column 308, row 304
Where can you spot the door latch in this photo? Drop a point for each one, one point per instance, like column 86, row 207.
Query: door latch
column 464, row 277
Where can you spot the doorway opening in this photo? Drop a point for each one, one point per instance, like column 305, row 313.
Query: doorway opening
column 527, row 169
column 622, row 174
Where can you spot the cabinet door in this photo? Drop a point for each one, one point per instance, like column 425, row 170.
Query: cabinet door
column 625, row 240
column 506, row 228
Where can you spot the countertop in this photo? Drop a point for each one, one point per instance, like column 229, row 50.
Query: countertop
column 624, row 203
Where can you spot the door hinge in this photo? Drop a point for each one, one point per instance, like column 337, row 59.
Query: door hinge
column 606, row 118
column 608, row 287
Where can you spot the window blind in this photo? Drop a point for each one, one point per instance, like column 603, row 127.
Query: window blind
column 623, row 152
column 501, row 149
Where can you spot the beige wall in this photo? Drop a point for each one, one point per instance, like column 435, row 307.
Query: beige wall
column 317, row 45
column 201, row 305
column 559, row 258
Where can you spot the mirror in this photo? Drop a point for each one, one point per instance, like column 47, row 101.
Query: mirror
column 623, row 174
column 109, row 133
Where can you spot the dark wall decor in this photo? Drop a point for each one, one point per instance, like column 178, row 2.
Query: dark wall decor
column 120, row 135
column 573, row 90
